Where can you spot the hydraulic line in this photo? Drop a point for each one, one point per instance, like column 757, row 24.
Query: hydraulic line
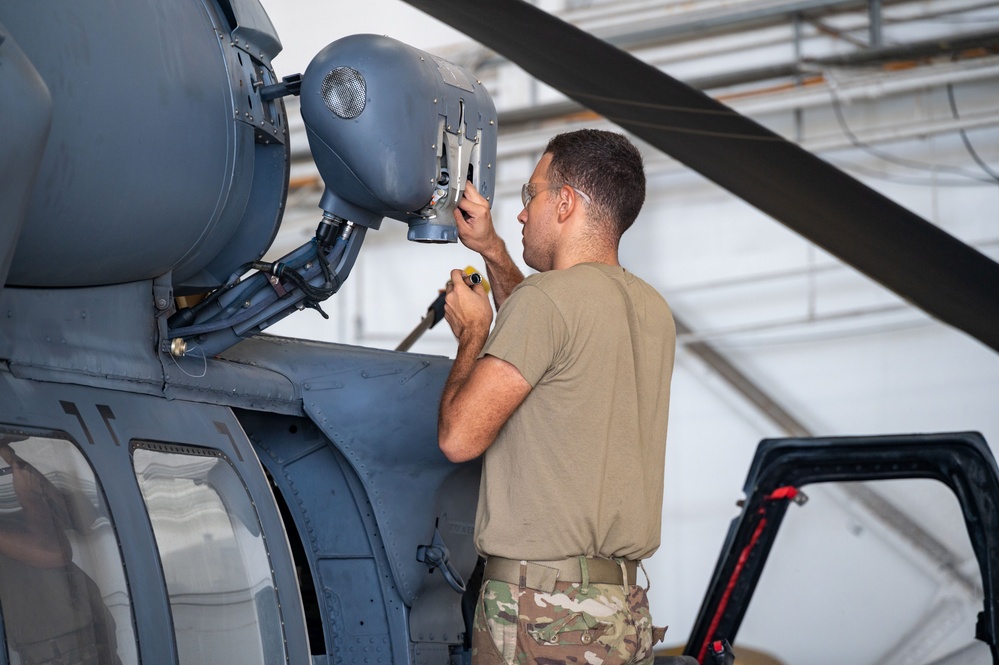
column 297, row 270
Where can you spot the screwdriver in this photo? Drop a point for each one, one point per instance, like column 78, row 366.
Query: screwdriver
column 436, row 310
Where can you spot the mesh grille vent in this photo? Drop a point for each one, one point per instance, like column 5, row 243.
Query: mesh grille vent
column 344, row 91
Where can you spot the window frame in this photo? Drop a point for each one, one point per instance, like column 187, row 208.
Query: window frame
column 962, row 461
column 207, row 452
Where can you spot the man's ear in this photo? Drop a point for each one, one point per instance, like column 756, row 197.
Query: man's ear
column 566, row 202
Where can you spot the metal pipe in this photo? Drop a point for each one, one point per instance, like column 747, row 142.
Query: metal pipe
column 874, row 21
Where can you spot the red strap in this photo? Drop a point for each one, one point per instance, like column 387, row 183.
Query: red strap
column 786, row 492
column 723, row 603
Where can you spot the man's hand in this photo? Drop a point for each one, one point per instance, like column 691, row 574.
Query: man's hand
column 476, row 232
column 467, row 309
column 475, row 223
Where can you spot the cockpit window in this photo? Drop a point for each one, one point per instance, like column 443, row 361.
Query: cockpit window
column 215, row 560
column 62, row 583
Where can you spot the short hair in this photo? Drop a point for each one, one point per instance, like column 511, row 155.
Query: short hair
column 607, row 167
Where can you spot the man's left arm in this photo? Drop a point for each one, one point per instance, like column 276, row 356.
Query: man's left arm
column 480, row 394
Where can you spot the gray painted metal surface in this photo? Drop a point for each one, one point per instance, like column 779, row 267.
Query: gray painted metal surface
column 162, row 156
column 381, row 118
column 378, row 409
column 26, row 108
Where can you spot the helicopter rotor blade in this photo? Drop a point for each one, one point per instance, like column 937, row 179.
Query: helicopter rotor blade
column 917, row 260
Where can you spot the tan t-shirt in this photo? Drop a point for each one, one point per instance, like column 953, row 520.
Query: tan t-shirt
column 578, row 468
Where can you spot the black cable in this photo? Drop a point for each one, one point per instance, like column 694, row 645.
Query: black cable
column 232, row 315
column 964, row 136
column 313, row 295
column 324, row 265
column 912, row 164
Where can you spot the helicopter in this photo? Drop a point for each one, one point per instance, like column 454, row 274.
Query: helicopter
column 181, row 487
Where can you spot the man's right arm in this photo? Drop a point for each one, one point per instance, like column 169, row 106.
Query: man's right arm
column 476, row 231
column 480, row 394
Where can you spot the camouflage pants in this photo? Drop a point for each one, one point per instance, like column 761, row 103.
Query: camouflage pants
column 599, row 625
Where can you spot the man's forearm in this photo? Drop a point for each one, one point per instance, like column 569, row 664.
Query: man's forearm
column 464, row 361
column 502, row 272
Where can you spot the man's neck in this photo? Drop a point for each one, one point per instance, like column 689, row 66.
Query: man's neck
column 590, row 255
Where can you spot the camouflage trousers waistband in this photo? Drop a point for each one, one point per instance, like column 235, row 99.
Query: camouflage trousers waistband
column 543, row 575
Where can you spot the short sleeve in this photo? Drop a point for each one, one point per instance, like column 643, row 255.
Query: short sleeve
column 530, row 333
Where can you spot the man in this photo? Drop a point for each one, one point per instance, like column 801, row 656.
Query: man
column 568, row 400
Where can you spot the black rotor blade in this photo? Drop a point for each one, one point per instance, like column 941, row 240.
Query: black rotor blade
column 907, row 254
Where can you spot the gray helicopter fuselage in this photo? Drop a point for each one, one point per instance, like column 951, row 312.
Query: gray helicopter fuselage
column 343, row 438
column 266, row 501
